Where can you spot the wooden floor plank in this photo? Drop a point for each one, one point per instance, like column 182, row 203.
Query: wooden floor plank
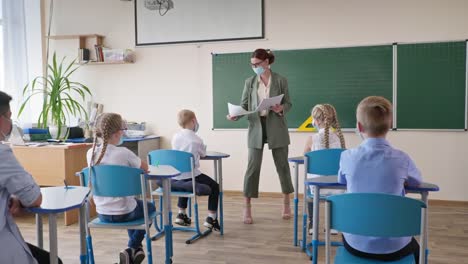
column 268, row 240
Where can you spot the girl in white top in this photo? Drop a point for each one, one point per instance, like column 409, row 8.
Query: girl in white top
column 325, row 121
column 109, row 133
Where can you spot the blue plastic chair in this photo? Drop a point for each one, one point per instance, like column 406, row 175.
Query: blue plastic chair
column 374, row 214
column 183, row 162
column 117, row 181
column 325, row 162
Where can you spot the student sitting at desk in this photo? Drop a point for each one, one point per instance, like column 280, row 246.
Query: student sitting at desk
column 17, row 191
column 109, row 133
column 376, row 167
column 324, row 117
column 188, row 141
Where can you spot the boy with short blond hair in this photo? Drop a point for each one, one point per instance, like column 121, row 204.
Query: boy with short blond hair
column 376, row 167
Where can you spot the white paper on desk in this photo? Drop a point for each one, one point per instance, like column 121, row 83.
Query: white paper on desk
column 266, row 103
column 237, row 110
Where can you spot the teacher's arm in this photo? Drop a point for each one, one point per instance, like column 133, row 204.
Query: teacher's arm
column 286, row 99
column 244, row 101
column 285, row 105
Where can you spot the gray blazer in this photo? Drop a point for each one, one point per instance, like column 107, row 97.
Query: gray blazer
column 14, row 180
column 276, row 124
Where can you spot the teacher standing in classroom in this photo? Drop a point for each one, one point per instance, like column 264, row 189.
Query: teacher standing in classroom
column 268, row 126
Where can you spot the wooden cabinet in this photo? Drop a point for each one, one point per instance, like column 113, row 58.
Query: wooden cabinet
column 51, row 165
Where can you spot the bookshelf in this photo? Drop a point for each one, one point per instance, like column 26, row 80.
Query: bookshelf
column 88, row 41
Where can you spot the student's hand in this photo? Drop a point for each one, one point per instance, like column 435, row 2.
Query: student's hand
column 277, row 109
column 15, row 207
column 232, row 118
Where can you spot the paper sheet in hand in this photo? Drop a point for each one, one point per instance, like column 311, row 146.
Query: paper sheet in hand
column 237, row 110
column 266, row 103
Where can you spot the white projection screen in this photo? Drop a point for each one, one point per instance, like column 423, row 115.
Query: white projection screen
column 184, row 21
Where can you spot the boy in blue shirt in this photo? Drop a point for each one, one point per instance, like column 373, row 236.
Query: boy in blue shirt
column 376, row 167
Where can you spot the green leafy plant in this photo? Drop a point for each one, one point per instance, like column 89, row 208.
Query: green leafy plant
column 58, row 93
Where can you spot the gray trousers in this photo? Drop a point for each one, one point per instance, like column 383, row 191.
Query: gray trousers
column 252, row 175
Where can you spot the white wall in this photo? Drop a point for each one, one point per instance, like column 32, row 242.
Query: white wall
column 167, row 78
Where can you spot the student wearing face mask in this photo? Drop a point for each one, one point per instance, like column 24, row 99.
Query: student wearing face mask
column 269, row 126
column 187, row 140
column 329, row 135
column 109, row 131
column 17, row 191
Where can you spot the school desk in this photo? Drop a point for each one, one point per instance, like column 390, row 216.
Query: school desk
column 331, row 182
column 165, row 173
column 296, row 161
column 57, row 200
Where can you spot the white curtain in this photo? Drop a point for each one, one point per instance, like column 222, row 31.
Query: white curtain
column 15, row 53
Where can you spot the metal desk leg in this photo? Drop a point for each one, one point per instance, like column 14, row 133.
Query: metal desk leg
column 296, row 200
column 220, row 182
column 82, row 221
column 424, row 198
column 39, row 234
column 315, row 223
column 167, row 218
column 304, row 220
column 53, row 238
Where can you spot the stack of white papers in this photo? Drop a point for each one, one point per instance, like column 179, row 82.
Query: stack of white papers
column 265, row 104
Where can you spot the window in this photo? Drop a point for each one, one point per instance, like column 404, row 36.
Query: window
column 20, row 52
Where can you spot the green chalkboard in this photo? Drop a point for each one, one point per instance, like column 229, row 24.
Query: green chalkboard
column 431, row 85
column 339, row 76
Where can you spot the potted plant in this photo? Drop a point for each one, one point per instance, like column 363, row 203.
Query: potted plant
column 59, row 94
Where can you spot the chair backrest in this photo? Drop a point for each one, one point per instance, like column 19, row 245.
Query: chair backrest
column 113, row 180
column 180, row 160
column 375, row 214
column 324, row 162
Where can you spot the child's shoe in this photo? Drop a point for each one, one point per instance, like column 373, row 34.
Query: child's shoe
column 183, row 220
column 125, row 256
column 311, row 229
column 138, row 255
column 212, row 223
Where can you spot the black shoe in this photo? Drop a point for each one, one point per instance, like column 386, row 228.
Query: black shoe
column 212, row 223
column 125, row 256
column 183, row 220
column 138, row 255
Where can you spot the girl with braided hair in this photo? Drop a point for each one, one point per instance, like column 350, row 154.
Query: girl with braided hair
column 109, row 133
column 325, row 121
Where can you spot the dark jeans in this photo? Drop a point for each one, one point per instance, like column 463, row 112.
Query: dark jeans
column 42, row 256
column 204, row 186
column 136, row 236
column 310, row 208
column 411, row 248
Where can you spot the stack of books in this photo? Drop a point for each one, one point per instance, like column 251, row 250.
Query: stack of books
column 83, row 55
column 99, row 54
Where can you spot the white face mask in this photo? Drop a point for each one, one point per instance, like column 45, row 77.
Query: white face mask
column 315, row 125
column 359, row 133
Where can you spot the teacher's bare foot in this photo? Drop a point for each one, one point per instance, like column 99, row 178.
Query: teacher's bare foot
column 286, row 211
column 248, row 214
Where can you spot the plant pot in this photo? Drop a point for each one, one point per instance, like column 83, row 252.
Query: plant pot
column 54, row 133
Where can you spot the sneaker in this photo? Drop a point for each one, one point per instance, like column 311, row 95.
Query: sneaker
column 138, row 255
column 311, row 229
column 212, row 223
column 183, row 220
column 125, row 256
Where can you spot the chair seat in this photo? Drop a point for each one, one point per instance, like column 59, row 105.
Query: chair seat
column 343, row 256
column 159, row 192
column 135, row 224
